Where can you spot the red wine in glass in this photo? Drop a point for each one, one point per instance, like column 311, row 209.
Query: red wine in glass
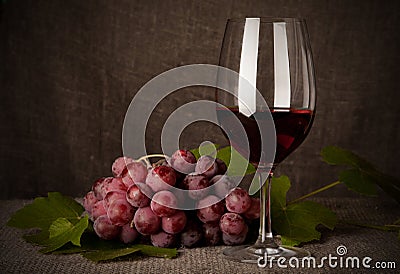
column 291, row 126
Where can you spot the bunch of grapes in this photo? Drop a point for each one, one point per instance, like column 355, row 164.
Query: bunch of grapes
column 139, row 203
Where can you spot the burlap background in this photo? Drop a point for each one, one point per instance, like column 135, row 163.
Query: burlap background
column 69, row 69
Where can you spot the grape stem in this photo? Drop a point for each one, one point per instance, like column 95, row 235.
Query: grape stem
column 379, row 227
column 146, row 157
column 314, row 192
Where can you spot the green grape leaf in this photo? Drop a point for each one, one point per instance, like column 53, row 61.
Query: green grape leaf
column 338, row 156
column 154, row 251
column 57, row 216
column 289, row 242
column 63, row 231
column 109, row 254
column 358, row 181
column 388, row 184
column 236, row 163
column 89, row 242
column 59, row 226
column 96, row 249
column 44, row 211
column 38, row 238
column 362, row 175
column 297, row 222
column 279, row 189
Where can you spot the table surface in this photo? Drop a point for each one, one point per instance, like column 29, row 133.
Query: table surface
column 17, row 256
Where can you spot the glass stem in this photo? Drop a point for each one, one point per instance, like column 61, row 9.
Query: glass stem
column 265, row 234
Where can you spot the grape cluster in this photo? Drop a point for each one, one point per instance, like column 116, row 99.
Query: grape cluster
column 138, row 203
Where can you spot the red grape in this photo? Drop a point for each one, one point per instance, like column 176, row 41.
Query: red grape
column 105, row 229
column 207, row 166
column 146, row 222
column 128, row 234
column 210, row 209
column 182, row 197
column 197, row 186
column 115, row 184
column 212, row 233
column 112, row 196
column 135, row 172
column 232, row 223
column 235, row 239
column 119, row 165
column 163, row 239
column 222, row 168
column 120, row 212
column 222, row 185
column 254, row 211
column 238, row 200
column 183, row 161
column 164, row 203
column 98, row 210
column 175, row 223
column 191, row 235
column 145, row 189
column 98, row 187
column 161, row 178
column 136, row 197
column 89, row 200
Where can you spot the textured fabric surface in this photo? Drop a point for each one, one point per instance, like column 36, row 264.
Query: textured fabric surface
column 17, row 256
column 69, row 69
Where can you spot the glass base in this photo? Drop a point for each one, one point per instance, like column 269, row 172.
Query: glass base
column 257, row 255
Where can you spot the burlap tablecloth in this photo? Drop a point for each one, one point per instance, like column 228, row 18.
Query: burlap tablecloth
column 17, row 256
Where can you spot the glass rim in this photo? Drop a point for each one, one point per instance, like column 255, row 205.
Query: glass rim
column 266, row 19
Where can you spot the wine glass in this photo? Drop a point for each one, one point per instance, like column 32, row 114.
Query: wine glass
column 274, row 55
